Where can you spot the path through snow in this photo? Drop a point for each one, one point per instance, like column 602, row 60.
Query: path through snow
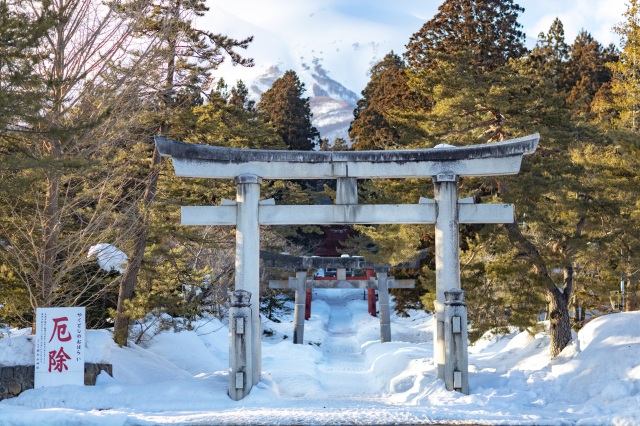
column 344, row 372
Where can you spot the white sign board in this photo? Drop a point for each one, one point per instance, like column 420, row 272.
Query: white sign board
column 59, row 346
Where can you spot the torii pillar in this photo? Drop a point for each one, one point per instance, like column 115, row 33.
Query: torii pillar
column 248, row 259
column 447, row 256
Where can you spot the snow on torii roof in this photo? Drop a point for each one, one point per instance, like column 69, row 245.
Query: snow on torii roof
column 193, row 160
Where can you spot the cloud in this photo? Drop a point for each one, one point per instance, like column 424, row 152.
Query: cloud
column 595, row 16
column 289, row 32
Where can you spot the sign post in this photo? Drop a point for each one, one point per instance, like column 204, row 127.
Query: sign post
column 59, row 346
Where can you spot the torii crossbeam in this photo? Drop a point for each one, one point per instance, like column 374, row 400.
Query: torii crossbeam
column 444, row 164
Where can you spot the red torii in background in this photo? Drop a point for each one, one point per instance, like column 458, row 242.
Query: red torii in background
column 371, row 292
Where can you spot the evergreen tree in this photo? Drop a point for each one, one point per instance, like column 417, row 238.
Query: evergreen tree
column 466, row 45
column 57, row 201
column 552, row 53
column 188, row 270
column 561, row 199
column 222, row 123
column 240, row 97
column 21, row 87
column 488, row 29
column 339, row 144
column 473, row 108
column 290, row 113
column 374, row 125
column 324, row 144
column 587, row 72
column 464, row 39
column 625, row 86
column 188, row 57
column 473, row 101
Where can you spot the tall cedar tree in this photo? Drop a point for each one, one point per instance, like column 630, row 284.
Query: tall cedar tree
column 488, row 34
column 382, row 121
column 489, row 29
column 373, row 125
column 579, row 70
column 189, row 56
column 483, row 90
column 290, row 113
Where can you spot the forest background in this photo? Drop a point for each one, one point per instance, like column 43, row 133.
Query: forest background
column 85, row 85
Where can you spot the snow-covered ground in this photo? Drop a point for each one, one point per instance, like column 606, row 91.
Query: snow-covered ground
column 344, row 375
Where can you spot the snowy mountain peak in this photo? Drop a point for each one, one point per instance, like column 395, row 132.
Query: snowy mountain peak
column 332, row 104
column 330, row 45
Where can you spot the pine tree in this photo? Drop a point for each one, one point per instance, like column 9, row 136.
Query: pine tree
column 240, row 97
column 324, row 144
column 552, row 53
column 228, row 124
column 54, row 174
column 602, row 110
column 290, row 113
column 188, row 57
column 456, row 102
column 21, row 87
column 476, row 101
column 473, row 108
column 188, row 270
column 339, row 144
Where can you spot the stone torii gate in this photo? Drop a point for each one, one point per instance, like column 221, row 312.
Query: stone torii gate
column 444, row 164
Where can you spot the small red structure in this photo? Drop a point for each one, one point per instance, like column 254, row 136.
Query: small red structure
column 371, row 293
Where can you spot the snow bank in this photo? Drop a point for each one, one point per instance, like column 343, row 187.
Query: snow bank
column 344, row 375
column 17, row 350
column 110, row 258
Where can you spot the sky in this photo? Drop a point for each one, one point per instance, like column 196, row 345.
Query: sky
column 348, row 36
column 596, row 16
column 342, row 375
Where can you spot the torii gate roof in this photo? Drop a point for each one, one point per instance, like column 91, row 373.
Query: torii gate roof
column 204, row 161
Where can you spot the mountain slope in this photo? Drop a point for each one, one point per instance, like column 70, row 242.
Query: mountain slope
column 331, row 45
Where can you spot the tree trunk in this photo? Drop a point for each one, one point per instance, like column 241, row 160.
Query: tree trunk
column 50, row 231
column 558, row 299
column 121, row 324
column 559, row 321
column 47, row 259
column 560, row 325
column 122, row 320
